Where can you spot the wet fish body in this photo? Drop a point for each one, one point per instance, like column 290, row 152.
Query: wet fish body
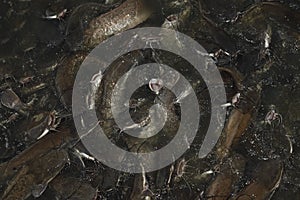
column 33, row 177
column 128, row 15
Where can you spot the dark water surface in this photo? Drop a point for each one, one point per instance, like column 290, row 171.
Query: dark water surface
column 32, row 48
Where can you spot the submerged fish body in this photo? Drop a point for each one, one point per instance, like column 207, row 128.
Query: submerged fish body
column 30, row 172
column 265, row 181
column 128, row 15
column 33, row 177
column 229, row 173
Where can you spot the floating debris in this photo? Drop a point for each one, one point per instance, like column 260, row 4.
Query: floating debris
column 155, row 85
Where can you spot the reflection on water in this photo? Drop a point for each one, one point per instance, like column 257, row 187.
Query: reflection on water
column 259, row 39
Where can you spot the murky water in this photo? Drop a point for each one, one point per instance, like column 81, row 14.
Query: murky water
column 259, row 39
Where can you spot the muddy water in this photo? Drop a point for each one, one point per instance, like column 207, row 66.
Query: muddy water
column 262, row 38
